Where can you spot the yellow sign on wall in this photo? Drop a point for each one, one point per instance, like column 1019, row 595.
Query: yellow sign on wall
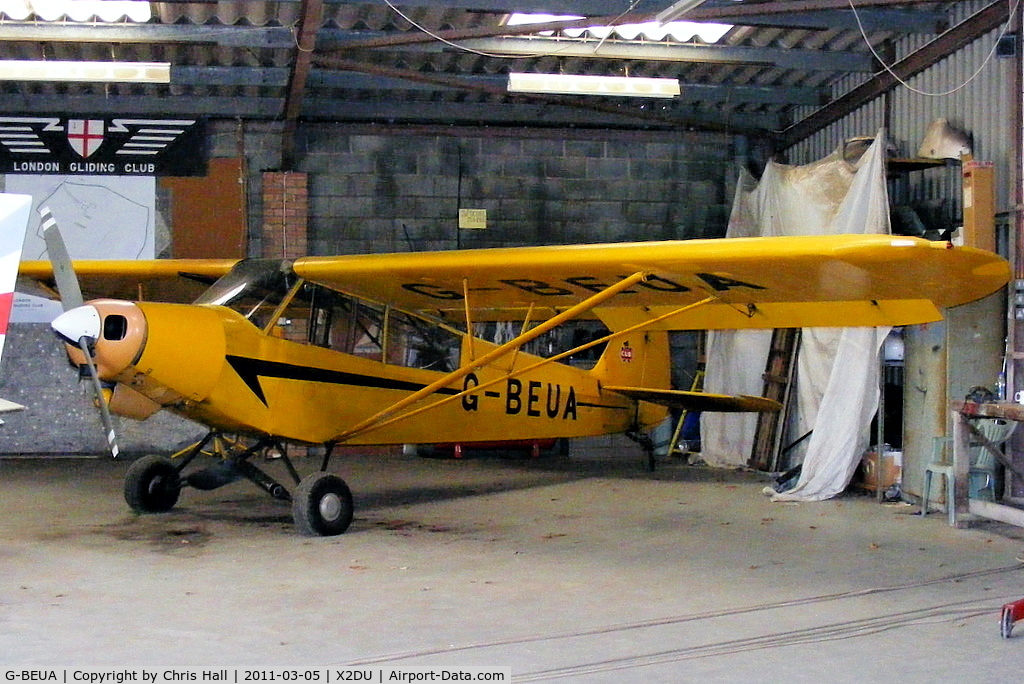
column 473, row 219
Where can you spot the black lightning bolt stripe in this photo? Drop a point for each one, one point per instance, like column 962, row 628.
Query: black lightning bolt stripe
column 251, row 370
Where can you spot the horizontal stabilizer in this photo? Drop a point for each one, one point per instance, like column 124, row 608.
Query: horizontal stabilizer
column 699, row 401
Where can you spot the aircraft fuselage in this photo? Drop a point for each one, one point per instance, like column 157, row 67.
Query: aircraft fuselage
column 212, row 365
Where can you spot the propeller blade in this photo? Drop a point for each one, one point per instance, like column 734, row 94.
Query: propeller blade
column 101, row 399
column 63, row 272
column 83, row 331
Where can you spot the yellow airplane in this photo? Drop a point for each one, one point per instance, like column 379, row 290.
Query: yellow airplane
column 380, row 348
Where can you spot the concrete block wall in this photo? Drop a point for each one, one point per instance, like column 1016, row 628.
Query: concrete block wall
column 60, row 416
column 374, row 190
column 377, row 192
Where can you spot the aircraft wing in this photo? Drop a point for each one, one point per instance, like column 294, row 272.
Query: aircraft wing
column 772, row 282
column 163, row 280
column 699, row 401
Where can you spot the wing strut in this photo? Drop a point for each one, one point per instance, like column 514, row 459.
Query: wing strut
column 572, row 312
column 469, row 319
column 387, row 417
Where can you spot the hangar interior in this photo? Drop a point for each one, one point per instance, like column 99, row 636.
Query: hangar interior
column 328, row 127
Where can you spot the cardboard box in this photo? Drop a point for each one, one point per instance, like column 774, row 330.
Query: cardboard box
column 891, row 471
column 979, row 205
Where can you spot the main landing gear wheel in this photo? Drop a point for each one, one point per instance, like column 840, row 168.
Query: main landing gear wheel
column 152, row 485
column 322, row 505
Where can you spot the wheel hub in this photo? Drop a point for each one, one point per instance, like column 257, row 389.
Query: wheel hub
column 330, row 507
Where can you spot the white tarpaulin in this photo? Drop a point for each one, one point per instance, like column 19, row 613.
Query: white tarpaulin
column 836, row 391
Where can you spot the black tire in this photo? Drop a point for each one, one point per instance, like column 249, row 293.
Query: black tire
column 152, row 485
column 322, row 505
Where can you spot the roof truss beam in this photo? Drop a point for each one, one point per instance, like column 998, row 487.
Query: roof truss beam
column 879, row 13
column 208, row 106
column 909, row 21
column 529, row 114
column 320, row 79
column 645, row 116
column 346, row 111
column 671, row 52
column 691, row 92
column 310, row 19
column 275, row 37
column 875, row 15
column 284, row 37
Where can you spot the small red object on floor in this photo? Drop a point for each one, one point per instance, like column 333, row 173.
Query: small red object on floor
column 1011, row 613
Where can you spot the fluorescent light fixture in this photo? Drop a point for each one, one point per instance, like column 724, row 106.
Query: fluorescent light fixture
column 85, row 72
column 569, row 84
column 677, row 10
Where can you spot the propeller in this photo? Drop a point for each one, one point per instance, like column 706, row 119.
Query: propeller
column 79, row 323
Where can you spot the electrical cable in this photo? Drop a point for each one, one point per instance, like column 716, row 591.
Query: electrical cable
column 548, row 53
column 988, row 58
column 464, row 48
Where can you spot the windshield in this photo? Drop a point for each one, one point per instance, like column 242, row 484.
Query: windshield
column 253, row 288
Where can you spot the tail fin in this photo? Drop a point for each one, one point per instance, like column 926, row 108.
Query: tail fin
column 14, row 213
column 639, row 367
column 638, row 360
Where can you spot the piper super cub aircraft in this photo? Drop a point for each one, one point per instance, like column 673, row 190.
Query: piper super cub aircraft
column 380, row 348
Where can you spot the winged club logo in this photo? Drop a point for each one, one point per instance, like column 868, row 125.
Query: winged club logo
column 117, row 146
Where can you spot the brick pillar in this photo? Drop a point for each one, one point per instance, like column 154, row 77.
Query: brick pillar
column 285, row 210
column 285, row 214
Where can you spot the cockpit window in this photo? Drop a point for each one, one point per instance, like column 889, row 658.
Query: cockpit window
column 347, row 324
column 253, row 288
column 316, row 315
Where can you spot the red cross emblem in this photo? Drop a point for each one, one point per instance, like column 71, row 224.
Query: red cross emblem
column 85, row 135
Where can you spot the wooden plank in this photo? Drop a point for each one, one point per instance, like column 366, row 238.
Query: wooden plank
column 778, row 377
column 208, row 214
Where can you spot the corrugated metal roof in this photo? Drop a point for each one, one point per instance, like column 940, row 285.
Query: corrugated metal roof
column 447, row 62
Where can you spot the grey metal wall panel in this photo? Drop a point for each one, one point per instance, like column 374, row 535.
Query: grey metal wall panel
column 970, row 89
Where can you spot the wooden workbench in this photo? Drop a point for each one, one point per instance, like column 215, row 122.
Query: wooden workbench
column 964, row 506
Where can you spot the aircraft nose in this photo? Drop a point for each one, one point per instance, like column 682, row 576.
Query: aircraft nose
column 74, row 324
column 117, row 328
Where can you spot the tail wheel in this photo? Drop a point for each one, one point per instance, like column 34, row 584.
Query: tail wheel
column 322, row 505
column 152, row 485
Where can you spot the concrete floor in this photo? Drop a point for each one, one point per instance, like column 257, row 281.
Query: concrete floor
column 560, row 569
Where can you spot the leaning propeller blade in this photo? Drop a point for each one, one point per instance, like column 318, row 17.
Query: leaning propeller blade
column 101, row 399
column 63, row 272
column 71, row 298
